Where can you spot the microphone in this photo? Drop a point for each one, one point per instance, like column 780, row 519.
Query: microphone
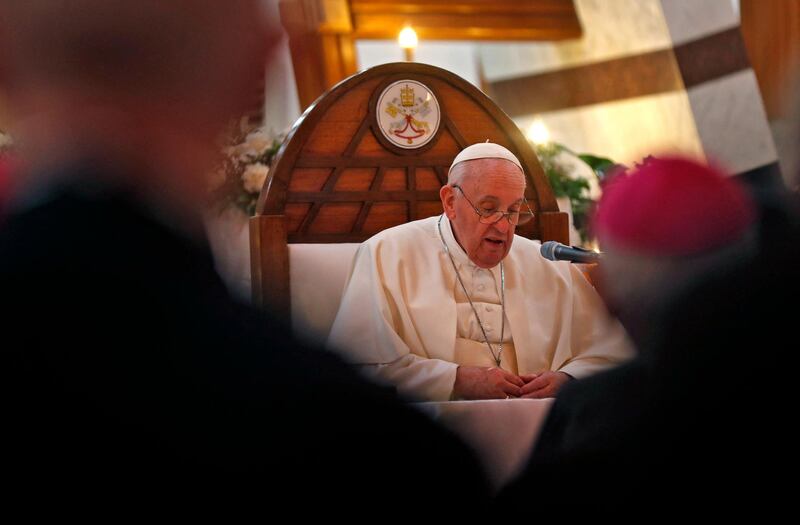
column 555, row 251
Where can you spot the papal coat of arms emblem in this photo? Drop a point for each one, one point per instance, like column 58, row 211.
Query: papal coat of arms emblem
column 408, row 114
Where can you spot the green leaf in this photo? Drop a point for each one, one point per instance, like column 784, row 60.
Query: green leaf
column 599, row 164
column 575, row 189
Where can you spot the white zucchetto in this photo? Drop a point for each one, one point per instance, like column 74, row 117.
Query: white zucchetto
column 485, row 150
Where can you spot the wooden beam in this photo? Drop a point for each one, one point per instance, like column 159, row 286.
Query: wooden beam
column 467, row 19
column 771, row 32
column 321, row 44
column 626, row 77
column 651, row 73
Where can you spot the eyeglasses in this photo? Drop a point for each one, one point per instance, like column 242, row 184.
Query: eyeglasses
column 515, row 217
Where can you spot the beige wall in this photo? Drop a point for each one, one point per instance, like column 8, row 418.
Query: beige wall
column 624, row 130
column 281, row 105
column 708, row 107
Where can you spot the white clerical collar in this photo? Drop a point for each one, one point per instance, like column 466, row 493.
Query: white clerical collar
column 458, row 253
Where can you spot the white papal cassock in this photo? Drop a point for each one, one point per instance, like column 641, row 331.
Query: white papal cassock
column 405, row 317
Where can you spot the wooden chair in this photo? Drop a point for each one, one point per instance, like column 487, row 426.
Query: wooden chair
column 339, row 179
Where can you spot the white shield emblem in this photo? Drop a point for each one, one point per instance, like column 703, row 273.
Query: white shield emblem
column 408, row 114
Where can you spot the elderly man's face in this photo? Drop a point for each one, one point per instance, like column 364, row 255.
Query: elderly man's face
column 491, row 184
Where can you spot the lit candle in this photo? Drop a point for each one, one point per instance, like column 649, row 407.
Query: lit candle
column 408, row 41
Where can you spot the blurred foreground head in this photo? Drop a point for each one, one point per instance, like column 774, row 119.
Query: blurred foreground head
column 663, row 226
column 145, row 84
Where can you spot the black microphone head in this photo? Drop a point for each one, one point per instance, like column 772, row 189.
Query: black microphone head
column 548, row 250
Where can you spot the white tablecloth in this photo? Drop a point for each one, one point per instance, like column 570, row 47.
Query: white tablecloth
column 502, row 432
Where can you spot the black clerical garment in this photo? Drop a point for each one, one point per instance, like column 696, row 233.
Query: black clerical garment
column 701, row 423
column 133, row 382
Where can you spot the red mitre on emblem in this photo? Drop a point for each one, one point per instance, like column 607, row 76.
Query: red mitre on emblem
column 673, row 206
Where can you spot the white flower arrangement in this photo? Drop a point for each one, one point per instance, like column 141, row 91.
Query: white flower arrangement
column 254, row 177
column 238, row 181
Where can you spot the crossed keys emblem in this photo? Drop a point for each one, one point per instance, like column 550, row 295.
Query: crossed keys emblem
column 411, row 111
column 408, row 114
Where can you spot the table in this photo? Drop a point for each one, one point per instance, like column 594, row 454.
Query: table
column 502, row 432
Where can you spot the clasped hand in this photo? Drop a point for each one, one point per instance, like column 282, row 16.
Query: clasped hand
column 474, row 382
